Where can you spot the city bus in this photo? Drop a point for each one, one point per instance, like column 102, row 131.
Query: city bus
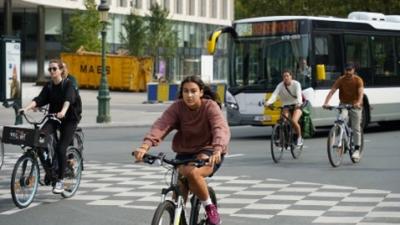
column 316, row 49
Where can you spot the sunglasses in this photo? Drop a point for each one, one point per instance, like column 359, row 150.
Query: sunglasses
column 52, row 69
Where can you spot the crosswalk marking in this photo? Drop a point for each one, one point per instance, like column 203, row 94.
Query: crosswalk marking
column 138, row 186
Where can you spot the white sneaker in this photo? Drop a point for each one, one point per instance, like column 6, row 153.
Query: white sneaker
column 59, row 187
column 299, row 141
column 356, row 155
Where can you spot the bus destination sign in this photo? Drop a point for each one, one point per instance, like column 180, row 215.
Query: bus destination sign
column 267, row 28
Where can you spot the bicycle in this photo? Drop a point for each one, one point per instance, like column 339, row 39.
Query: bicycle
column 340, row 139
column 25, row 176
column 283, row 137
column 167, row 210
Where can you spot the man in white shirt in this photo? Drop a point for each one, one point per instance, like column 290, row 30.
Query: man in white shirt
column 289, row 92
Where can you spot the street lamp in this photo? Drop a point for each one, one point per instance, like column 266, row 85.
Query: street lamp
column 104, row 94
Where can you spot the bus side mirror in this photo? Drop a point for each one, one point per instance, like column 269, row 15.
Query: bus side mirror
column 213, row 38
column 212, row 41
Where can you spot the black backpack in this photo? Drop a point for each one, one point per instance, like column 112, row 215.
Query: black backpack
column 77, row 106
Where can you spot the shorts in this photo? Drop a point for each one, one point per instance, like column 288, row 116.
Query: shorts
column 205, row 151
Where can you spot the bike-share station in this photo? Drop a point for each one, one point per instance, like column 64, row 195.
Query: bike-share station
column 10, row 74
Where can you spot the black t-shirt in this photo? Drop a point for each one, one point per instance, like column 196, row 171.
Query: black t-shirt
column 55, row 95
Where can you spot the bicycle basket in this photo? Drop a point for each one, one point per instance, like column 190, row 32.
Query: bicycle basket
column 23, row 136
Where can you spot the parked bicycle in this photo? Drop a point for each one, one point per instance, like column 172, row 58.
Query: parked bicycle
column 36, row 151
column 283, row 137
column 173, row 211
column 340, row 139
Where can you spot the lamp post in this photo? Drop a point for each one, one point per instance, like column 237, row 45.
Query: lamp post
column 104, row 93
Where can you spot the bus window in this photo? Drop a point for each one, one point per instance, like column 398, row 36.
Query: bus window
column 278, row 57
column 383, row 59
column 398, row 56
column 247, row 56
column 327, row 52
column 357, row 51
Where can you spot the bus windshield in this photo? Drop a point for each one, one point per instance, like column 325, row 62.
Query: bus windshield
column 259, row 62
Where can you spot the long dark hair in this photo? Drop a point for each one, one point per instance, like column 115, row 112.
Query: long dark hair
column 207, row 92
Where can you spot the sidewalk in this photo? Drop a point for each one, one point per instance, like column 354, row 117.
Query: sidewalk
column 127, row 109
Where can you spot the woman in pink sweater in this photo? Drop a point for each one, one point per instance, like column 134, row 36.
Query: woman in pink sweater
column 202, row 132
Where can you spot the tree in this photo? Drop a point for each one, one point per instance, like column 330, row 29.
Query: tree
column 161, row 39
column 337, row 8
column 83, row 29
column 134, row 37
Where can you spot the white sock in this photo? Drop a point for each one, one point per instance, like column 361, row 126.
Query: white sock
column 299, row 138
column 206, row 202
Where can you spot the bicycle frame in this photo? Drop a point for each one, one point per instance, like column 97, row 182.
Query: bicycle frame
column 286, row 127
column 178, row 198
column 174, row 187
column 345, row 130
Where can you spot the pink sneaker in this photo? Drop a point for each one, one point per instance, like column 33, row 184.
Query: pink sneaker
column 212, row 215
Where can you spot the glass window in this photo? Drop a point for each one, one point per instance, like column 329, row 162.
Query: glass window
column 358, row 52
column 166, row 4
column 122, row 3
column 150, row 3
column 383, row 55
column 326, row 53
column 178, row 6
column 203, row 8
column 224, row 9
column 383, row 61
column 214, row 8
column 138, row 4
column 190, row 4
column 398, row 55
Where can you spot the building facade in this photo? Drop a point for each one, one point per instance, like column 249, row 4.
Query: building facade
column 193, row 20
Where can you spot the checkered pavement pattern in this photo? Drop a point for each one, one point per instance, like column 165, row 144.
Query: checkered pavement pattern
column 137, row 186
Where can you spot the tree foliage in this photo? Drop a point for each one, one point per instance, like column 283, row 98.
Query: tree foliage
column 134, row 37
column 160, row 33
column 337, row 8
column 83, row 29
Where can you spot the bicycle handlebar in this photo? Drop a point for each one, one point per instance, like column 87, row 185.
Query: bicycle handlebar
column 150, row 159
column 51, row 116
column 340, row 107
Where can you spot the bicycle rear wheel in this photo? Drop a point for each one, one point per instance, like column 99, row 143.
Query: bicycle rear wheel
column 197, row 212
column 277, row 143
column 335, row 146
column 24, row 181
column 73, row 172
column 78, row 138
column 164, row 214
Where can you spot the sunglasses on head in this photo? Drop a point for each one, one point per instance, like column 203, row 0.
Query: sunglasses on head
column 50, row 69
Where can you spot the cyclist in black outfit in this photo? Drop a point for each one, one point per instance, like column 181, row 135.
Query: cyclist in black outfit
column 59, row 94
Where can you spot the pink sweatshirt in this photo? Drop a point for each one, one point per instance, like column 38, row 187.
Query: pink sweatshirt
column 197, row 129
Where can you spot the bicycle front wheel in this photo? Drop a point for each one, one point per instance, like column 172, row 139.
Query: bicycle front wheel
column 164, row 214
column 277, row 143
column 24, row 181
column 296, row 150
column 73, row 172
column 335, row 146
column 197, row 212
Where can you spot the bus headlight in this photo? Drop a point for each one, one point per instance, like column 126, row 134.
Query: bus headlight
column 231, row 101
